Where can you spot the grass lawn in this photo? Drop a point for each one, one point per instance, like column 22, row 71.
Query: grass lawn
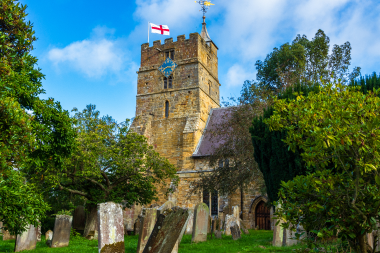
column 248, row 243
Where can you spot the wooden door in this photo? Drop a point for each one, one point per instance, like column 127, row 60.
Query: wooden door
column 262, row 215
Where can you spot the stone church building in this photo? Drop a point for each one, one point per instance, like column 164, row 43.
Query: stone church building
column 177, row 100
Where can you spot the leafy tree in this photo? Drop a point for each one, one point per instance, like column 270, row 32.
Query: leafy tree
column 33, row 132
column 109, row 163
column 337, row 125
column 307, row 62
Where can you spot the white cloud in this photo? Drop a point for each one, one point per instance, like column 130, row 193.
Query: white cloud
column 236, row 75
column 95, row 57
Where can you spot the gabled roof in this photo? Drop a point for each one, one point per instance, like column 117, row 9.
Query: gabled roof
column 208, row 143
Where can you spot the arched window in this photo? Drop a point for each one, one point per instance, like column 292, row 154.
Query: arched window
column 168, row 82
column 166, row 109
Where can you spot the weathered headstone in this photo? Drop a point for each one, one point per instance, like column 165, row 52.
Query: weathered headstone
column 277, row 234
column 7, row 236
column 218, row 234
column 27, row 240
column 111, row 228
column 184, row 227
column 38, row 233
column 167, row 230
column 230, row 219
column 49, row 237
column 62, row 228
column 79, row 218
column 167, row 205
column 235, row 212
column 200, row 226
column 189, row 226
column 235, row 231
column 136, row 226
column 128, row 219
column 148, row 220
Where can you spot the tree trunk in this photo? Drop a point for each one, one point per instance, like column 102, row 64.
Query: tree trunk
column 91, row 221
column 363, row 243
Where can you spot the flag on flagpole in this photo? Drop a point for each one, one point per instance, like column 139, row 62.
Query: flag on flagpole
column 161, row 29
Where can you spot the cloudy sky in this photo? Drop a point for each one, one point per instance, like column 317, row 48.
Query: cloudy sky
column 90, row 50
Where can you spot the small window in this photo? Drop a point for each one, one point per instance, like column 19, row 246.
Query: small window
column 169, row 54
column 168, row 82
column 166, row 109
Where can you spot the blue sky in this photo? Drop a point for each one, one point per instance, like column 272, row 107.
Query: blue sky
column 90, row 50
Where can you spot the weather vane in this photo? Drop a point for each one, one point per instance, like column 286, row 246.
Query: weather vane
column 204, row 6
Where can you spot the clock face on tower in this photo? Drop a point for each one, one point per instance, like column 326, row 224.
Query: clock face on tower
column 167, row 67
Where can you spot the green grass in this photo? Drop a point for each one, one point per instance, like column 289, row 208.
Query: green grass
column 248, row 243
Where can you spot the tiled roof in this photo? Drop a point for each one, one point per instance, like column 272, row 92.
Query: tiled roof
column 209, row 142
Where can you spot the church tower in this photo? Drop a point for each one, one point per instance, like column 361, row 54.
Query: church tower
column 177, row 86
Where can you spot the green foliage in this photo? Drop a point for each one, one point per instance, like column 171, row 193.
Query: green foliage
column 33, row 132
column 109, row 163
column 74, row 235
column 339, row 126
column 65, row 212
column 20, row 203
column 274, row 159
column 305, row 61
column 367, row 83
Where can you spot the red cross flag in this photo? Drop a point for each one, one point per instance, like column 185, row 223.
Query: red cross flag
column 161, row 29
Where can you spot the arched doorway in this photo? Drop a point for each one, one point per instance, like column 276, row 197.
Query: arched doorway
column 262, row 215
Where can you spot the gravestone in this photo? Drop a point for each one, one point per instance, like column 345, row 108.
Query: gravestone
column 38, row 233
column 185, row 226
column 189, row 227
column 111, row 228
column 167, row 205
column 243, row 227
column 137, row 224
column 128, row 219
column 200, row 226
column 235, row 231
column 218, row 234
column 79, row 218
column 27, row 240
column 229, row 220
column 62, row 227
column 49, row 237
column 167, row 230
column 92, row 235
column 235, row 212
column 7, row 236
column 148, row 220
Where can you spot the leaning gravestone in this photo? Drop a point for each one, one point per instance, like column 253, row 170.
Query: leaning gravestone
column 235, row 231
column 62, row 227
column 167, row 230
column 200, row 226
column 7, row 236
column 128, row 219
column 49, row 237
column 27, row 240
column 148, row 220
column 111, row 228
column 189, row 226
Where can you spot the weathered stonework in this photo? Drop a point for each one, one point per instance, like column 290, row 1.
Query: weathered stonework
column 111, row 228
column 148, row 221
column 201, row 221
column 27, row 240
column 62, row 227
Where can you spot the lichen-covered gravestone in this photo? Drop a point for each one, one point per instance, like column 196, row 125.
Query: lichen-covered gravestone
column 148, row 220
column 27, row 240
column 111, row 228
column 235, row 231
column 201, row 221
column 167, row 230
column 62, row 228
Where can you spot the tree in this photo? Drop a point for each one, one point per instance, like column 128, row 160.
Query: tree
column 109, row 163
column 307, row 62
column 337, row 125
column 33, row 132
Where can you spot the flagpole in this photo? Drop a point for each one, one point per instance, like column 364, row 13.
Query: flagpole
column 148, row 31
